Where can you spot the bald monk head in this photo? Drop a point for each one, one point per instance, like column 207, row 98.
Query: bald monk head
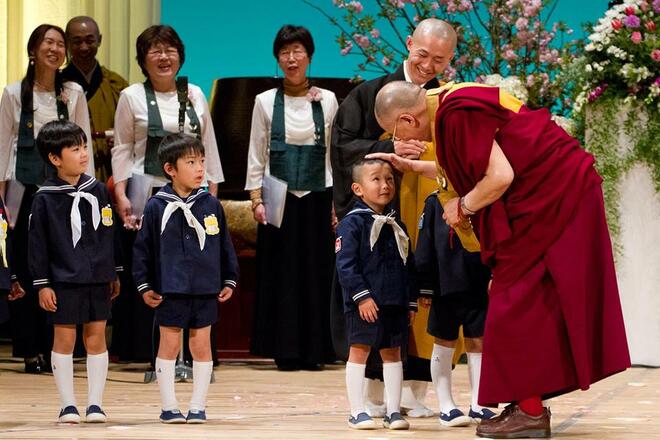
column 430, row 49
column 83, row 38
column 400, row 109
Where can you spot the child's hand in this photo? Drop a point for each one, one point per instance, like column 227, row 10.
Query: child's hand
column 368, row 310
column 114, row 289
column 16, row 291
column 425, row 302
column 225, row 294
column 47, row 299
column 152, row 299
column 411, row 316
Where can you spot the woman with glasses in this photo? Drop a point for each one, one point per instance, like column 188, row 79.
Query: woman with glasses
column 290, row 140
column 146, row 112
column 27, row 105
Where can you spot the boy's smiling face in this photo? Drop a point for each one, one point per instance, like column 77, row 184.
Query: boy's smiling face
column 376, row 185
column 188, row 173
column 72, row 161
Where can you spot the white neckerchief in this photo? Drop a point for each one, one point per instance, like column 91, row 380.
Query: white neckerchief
column 399, row 234
column 190, row 218
column 76, row 220
column 77, row 194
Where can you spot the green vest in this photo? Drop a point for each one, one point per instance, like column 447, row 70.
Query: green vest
column 156, row 132
column 301, row 166
column 30, row 166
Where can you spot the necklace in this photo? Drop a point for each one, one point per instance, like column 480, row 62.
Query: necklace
column 43, row 87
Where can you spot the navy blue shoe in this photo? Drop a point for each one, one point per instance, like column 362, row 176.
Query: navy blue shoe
column 484, row 414
column 362, row 421
column 196, row 416
column 395, row 421
column 173, row 416
column 69, row 414
column 95, row 414
column 455, row 418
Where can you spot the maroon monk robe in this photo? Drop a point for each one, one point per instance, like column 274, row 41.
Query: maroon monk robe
column 554, row 321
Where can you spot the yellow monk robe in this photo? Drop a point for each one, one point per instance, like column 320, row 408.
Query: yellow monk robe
column 102, row 107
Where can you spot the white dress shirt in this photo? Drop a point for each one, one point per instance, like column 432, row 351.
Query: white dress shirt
column 45, row 110
column 131, row 124
column 299, row 130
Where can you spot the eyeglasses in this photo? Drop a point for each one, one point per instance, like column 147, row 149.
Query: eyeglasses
column 170, row 52
column 297, row 54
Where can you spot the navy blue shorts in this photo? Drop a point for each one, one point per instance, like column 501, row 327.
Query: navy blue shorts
column 449, row 312
column 80, row 303
column 187, row 311
column 388, row 331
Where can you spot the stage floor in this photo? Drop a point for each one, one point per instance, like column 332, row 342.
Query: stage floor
column 255, row 401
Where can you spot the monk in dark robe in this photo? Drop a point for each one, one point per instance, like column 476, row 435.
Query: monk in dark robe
column 530, row 191
column 357, row 133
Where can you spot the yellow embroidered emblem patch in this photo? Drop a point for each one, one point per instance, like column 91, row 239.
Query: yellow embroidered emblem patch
column 211, row 225
column 106, row 216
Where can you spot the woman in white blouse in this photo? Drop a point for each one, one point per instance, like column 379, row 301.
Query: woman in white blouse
column 145, row 107
column 289, row 139
column 145, row 113
column 40, row 97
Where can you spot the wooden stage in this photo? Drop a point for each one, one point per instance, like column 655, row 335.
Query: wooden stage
column 255, row 401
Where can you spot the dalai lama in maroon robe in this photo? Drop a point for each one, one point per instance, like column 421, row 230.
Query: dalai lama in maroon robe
column 554, row 321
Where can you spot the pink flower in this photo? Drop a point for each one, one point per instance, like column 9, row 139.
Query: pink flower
column 656, row 6
column 630, row 10
column 596, row 92
column 386, row 61
column 375, row 33
column 655, row 55
column 509, row 55
column 362, row 40
column 522, row 23
column 314, row 94
column 356, row 6
column 347, row 48
column 617, row 24
column 636, row 37
column 632, row 21
column 435, row 6
column 650, row 26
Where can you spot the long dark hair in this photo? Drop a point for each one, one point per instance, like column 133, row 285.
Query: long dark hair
column 27, row 84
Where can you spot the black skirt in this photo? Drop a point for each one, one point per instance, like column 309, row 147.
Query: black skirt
column 294, row 275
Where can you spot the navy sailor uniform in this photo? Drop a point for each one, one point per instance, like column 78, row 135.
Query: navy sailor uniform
column 73, row 244
column 456, row 279
column 171, row 257
column 379, row 273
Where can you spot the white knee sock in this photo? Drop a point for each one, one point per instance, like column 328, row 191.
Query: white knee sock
column 441, row 375
column 474, row 368
column 393, row 379
column 354, row 382
column 97, row 372
column 62, row 365
column 201, row 380
column 165, row 375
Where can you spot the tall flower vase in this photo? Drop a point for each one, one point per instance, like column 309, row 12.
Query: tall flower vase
column 614, row 132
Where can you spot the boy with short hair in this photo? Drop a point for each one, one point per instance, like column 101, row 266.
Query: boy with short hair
column 455, row 283
column 73, row 263
column 183, row 263
column 376, row 272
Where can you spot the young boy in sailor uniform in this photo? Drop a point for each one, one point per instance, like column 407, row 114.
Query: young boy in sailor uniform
column 376, row 271
column 73, row 262
column 454, row 282
column 183, row 264
column 10, row 289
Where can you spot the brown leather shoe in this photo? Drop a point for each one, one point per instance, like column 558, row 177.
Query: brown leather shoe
column 515, row 423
